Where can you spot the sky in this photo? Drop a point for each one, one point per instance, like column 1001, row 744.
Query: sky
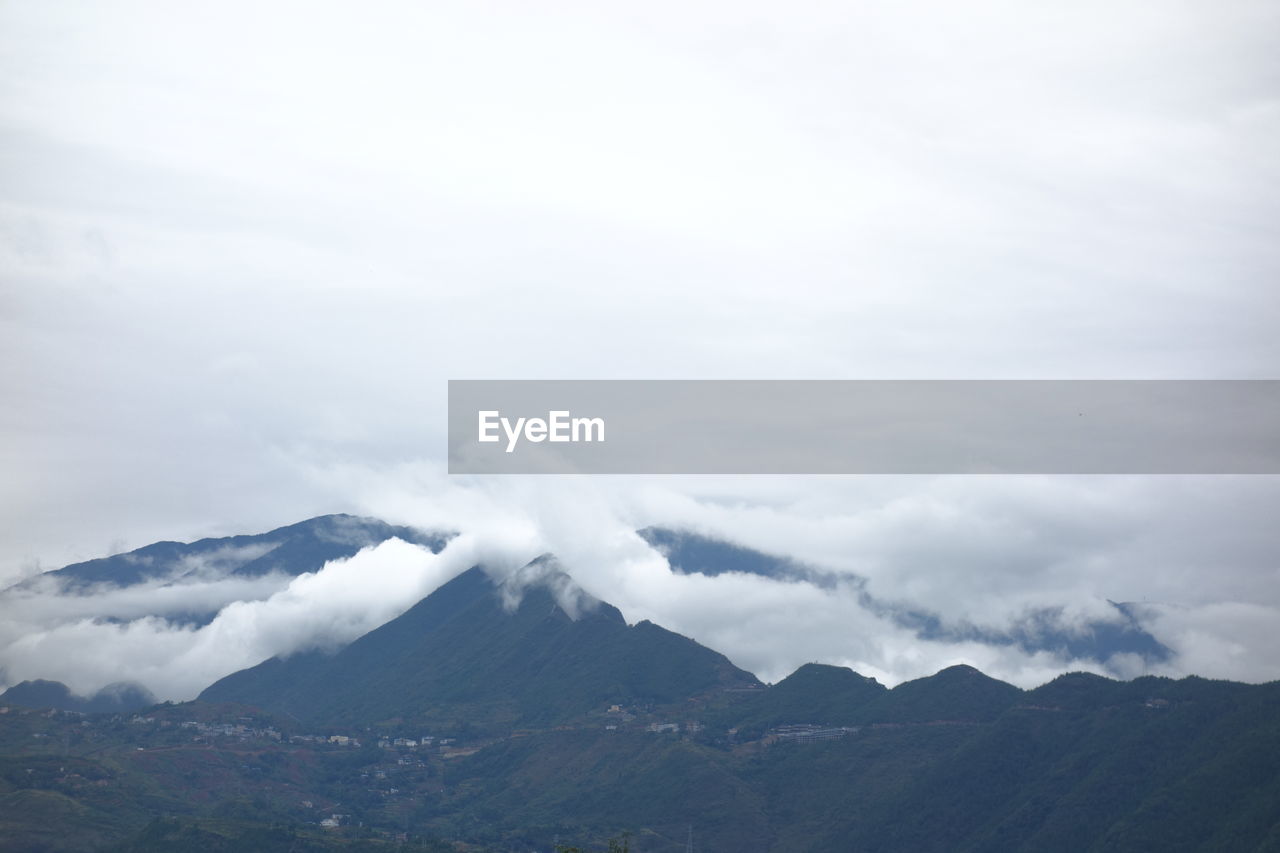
column 244, row 246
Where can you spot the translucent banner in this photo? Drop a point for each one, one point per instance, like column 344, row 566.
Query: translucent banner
column 864, row 427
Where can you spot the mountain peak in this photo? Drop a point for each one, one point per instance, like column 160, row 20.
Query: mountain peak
column 544, row 576
column 114, row 698
column 292, row 550
column 958, row 692
column 959, row 670
column 530, row 649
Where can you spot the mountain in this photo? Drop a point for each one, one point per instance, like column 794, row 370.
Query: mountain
column 1041, row 630
column 522, row 714
column 114, row 698
column 1194, row 766
column 533, row 651
column 824, row 695
column 691, row 553
column 957, row 693
column 815, row 693
column 522, row 677
column 292, row 550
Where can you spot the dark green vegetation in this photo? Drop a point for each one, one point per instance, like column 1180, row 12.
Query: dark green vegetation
column 109, row 782
column 519, row 728
column 837, row 696
column 1082, row 763
column 165, row 835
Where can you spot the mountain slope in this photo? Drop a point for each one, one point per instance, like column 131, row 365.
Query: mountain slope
column 1199, row 771
column 1041, row 630
column 1082, row 763
column 294, row 549
column 461, row 657
column 815, row 693
column 957, row 693
column 692, row 553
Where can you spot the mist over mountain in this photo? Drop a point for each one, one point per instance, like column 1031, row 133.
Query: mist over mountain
column 1043, row 629
column 246, row 247
column 694, row 553
column 114, row 698
column 174, row 617
column 517, row 711
column 290, row 550
column 531, row 650
column 575, row 724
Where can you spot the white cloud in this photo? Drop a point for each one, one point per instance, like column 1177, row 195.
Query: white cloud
column 987, row 551
column 56, row 639
column 982, row 551
column 244, row 246
column 1229, row 639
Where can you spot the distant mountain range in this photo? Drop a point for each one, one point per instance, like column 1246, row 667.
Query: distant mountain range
column 291, row 550
column 308, row 545
column 114, row 698
column 594, row 724
column 514, row 714
column 517, row 714
column 1042, row 630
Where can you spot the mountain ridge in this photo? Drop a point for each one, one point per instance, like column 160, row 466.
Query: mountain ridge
column 303, row 546
column 1039, row 630
column 460, row 649
column 114, row 698
column 513, row 713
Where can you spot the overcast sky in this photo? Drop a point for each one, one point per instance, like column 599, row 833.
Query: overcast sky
column 244, row 245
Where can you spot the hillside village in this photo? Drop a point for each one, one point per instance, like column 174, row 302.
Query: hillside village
column 358, row 782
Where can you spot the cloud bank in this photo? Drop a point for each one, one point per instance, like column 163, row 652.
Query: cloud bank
column 63, row 637
column 223, row 273
column 1192, row 556
column 243, row 246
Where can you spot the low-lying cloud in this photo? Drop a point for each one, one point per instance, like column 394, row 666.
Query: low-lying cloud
column 985, row 558
column 989, row 556
column 64, row 637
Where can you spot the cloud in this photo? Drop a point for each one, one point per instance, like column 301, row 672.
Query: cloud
column 1228, row 639
column 213, row 270
column 992, row 559
column 64, row 637
column 233, row 293
column 47, row 601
